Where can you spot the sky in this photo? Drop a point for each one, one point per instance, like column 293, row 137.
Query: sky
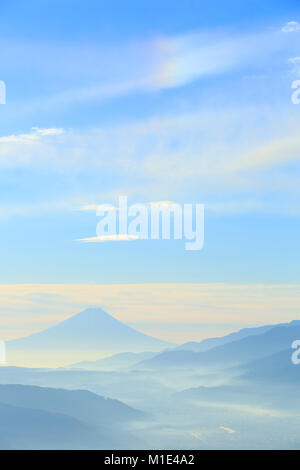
column 189, row 102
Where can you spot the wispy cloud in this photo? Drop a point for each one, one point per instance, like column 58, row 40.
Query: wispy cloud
column 291, row 27
column 227, row 429
column 32, row 137
column 209, row 151
column 187, row 150
column 196, row 152
column 108, row 72
column 176, row 61
column 190, row 56
column 109, row 238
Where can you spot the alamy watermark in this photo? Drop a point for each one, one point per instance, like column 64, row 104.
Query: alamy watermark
column 2, row 92
column 296, row 354
column 156, row 220
column 296, row 94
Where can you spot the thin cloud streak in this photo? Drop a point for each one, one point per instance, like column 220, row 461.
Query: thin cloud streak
column 165, row 62
column 109, row 238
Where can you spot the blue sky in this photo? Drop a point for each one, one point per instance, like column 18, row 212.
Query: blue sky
column 178, row 101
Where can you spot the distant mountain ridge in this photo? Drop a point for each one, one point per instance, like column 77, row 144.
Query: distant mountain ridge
column 210, row 343
column 35, row 417
column 80, row 404
column 274, row 369
column 240, row 351
column 35, row 429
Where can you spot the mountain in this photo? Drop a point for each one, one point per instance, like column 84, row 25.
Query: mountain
column 80, row 404
column 271, row 382
column 119, row 361
column 34, row 417
column 88, row 335
column 275, row 369
column 237, row 352
column 210, row 343
column 25, row 428
column 132, row 387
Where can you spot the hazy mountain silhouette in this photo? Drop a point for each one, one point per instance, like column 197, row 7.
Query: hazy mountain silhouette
column 236, row 352
column 34, row 417
column 25, row 428
column 241, row 394
column 275, row 369
column 268, row 383
column 210, row 343
column 114, row 362
column 80, row 404
column 91, row 331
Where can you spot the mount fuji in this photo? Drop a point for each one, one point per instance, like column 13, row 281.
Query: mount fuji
column 89, row 335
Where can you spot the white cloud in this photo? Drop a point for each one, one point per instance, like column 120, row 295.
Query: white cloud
column 227, row 429
column 291, row 27
column 109, row 238
column 295, row 60
column 20, row 139
column 45, row 132
column 204, row 160
column 34, row 136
